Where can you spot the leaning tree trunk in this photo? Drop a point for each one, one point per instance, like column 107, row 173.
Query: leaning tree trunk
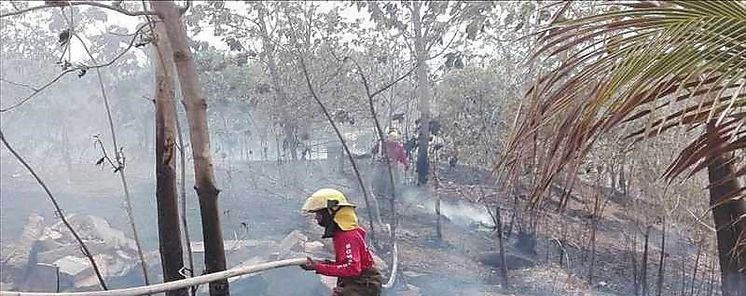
column 169, row 234
column 196, row 109
column 423, row 94
column 720, row 171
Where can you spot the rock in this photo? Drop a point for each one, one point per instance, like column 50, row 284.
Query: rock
column 293, row 242
column 313, row 247
column 41, row 278
column 16, row 264
column 114, row 253
column 72, row 265
column 93, row 230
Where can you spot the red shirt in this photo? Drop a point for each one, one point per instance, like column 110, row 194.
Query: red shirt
column 395, row 152
column 352, row 255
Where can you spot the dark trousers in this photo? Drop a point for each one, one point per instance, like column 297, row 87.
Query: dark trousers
column 367, row 284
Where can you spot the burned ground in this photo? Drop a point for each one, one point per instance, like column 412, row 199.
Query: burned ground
column 260, row 202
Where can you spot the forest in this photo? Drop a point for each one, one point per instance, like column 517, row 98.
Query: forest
column 373, row 148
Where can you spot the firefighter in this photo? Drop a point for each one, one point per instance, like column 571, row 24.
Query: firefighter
column 396, row 155
column 353, row 264
column 394, row 150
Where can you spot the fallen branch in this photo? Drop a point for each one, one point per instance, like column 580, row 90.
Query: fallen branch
column 174, row 285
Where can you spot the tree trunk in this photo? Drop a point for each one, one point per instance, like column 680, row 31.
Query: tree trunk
column 696, row 267
column 423, row 94
column 644, row 267
column 187, row 241
column 196, row 109
column 720, row 170
column 169, row 234
column 503, row 266
column 662, row 262
column 635, row 268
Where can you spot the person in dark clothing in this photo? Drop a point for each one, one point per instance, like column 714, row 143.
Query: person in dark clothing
column 353, row 264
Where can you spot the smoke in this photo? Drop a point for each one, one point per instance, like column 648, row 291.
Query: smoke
column 459, row 212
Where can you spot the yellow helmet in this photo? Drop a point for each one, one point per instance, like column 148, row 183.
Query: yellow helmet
column 394, row 135
column 325, row 198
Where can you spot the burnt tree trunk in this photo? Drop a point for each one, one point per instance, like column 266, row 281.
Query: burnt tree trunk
column 196, row 109
column 635, row 268
column 423, row 94
column 169, row 233
column 503, row 267
column 726, row 214
column 644, row 267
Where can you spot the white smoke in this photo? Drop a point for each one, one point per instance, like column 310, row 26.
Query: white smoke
column 460, row 212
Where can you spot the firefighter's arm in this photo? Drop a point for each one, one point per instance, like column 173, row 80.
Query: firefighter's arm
column 349, row 267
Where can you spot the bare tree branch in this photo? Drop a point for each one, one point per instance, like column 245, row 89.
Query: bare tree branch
column 371, row 95
column 57, row 208
column 344, row 145
column 86, row 3
column 392, row 230
column 444, row 48
column 118, row 154
column 15, row 6
column 83, row 67
column 19, row 84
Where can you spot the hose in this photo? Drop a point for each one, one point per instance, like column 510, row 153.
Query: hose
column 169, row 286
column 394, row 264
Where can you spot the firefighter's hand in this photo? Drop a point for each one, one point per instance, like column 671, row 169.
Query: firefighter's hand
column 309, row 265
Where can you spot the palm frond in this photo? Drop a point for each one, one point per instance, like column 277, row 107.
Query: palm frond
column 665, row 64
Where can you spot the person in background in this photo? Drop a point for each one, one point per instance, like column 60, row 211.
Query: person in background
column 397, row 157
column 353, row 264
column 394, row 150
